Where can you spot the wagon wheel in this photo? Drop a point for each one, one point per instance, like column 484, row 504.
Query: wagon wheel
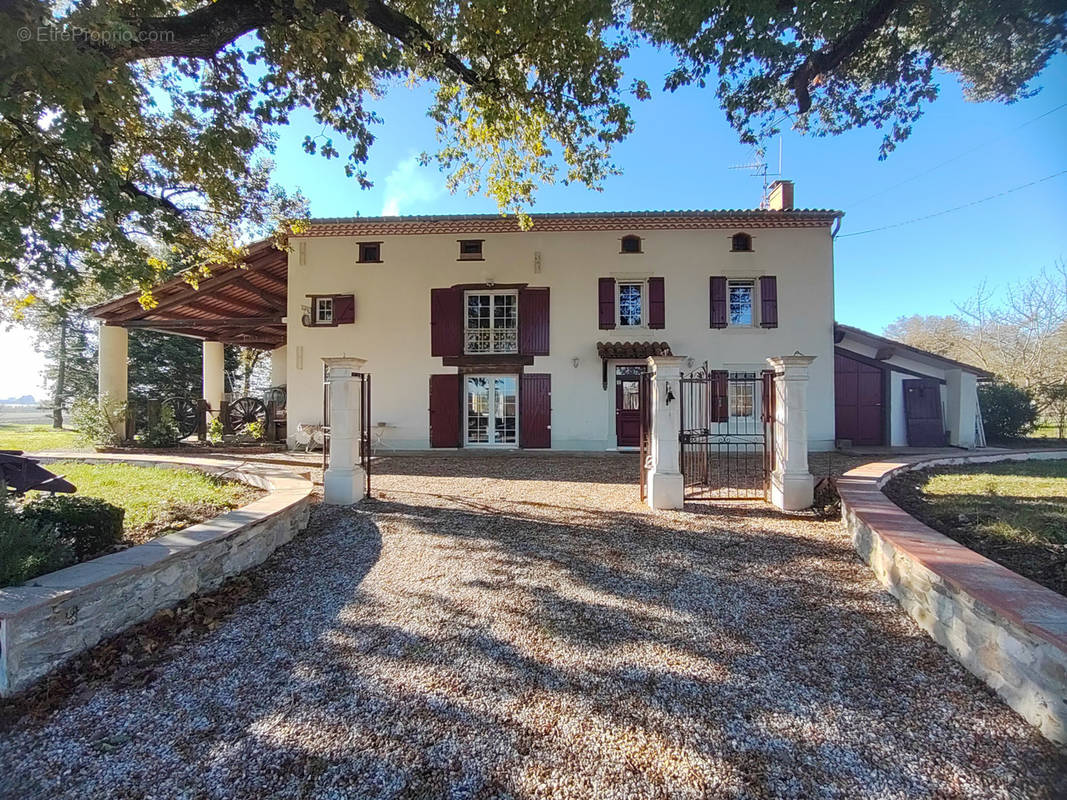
column 245, row 411
column 184, row 415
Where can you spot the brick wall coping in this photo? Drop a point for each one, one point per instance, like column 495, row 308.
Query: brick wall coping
column 286, row 488
column 1040, row 611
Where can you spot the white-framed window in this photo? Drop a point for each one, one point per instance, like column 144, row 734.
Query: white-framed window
column 631, row 304
column 742, row 395
column 491, row 322
column 741, row 297
column 323, row 311
column 492, row 411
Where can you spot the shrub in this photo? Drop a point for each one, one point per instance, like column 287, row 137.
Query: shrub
column 97, row 420
column 255, row 430
column 215, row 431
column 89, row 525
column 163, row 433
column 28, row 550
column 1008, row 411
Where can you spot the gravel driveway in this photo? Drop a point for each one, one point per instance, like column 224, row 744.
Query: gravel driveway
column 481, row 632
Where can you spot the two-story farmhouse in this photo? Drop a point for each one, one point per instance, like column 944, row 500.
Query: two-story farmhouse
column 480, row 335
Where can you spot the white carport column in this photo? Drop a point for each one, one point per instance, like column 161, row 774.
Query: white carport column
column 113, row 359
column 214, row 374
column 344, row 479
column 962, row 401
column 792, row 485
column 665, row 489
column 278, row 366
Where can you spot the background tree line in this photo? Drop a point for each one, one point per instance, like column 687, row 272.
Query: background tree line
column 1020, row 336
column 160, row 365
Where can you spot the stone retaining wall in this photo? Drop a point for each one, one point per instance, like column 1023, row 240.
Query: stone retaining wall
column 53, row 617
column 1006, row 629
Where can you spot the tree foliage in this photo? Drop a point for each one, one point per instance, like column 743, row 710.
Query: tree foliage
column 1021, row 337
column 138, row 131
column 1008, row 411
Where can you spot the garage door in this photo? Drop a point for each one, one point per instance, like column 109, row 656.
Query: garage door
column 859, row 393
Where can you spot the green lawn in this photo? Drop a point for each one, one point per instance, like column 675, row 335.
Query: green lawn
column 35, row 438
column 1012, row 512
column 157, row 501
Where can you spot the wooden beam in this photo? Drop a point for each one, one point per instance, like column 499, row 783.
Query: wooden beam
column 231, row 322
column 273, row 301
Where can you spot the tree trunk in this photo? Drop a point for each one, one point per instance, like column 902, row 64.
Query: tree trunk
column 59, row 391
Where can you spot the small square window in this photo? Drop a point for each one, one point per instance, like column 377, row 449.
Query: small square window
column 741, row 243
column 630, row 306
column 324, row 311
column 370, row 252
column 470, row 250
column 631, row 244
column 741, row 298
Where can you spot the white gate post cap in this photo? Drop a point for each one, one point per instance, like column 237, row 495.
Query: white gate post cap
column 345, row 362
column 796, row 360
column 665, row 361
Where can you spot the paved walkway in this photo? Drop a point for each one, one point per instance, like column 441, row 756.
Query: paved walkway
column 481, row 632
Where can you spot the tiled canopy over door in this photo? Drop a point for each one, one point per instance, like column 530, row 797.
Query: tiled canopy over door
column 444, row 410
column 535, row 410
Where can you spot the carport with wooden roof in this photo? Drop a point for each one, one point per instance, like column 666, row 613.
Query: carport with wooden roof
column 241, row 305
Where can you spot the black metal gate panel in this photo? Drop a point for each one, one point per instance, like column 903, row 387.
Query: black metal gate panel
column 365, row 436
column 645, row 406
column 726, row 438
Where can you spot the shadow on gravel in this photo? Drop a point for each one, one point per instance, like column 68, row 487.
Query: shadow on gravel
column 614, row 654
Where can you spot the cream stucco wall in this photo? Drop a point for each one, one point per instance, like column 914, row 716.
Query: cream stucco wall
column 392, row 328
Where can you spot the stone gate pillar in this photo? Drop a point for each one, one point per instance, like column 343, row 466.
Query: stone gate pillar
column 665, row 489
column 344, row 480
column 792, row 485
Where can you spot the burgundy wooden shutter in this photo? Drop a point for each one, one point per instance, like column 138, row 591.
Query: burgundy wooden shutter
column 533, row 322
column 606, row 304
column 446, row 322
column 657, row 311
column 767, row 407
column 718, row 302
column 720, row 400
column 444, row 410
column 344, row 309
column 535, row 410
column 768, row 300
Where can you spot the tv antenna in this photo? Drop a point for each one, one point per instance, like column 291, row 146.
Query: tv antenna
column 759, row 168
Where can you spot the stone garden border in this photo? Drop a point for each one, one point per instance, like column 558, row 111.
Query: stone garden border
column 1006, row 629
column 55, row 616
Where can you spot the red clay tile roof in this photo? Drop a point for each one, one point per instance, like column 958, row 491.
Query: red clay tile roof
column 613, row 350
column 578, row 221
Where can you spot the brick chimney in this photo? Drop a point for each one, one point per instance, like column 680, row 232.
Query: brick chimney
column 781, row 196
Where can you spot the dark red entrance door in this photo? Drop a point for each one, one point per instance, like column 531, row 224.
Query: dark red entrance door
column 922, row 409
column 628, row 405
column 859, row 390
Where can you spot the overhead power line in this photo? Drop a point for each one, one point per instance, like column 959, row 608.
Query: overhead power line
column 956, row 208
column 957, row 157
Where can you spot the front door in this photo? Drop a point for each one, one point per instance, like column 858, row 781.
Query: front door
column 922, row 409
column 628, row 405
column 492, row 411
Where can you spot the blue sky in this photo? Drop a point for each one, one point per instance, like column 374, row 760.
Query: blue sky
column 679, row 157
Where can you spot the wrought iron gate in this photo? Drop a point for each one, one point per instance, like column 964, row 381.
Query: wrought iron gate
column 645, row 407
column 727, row 432
column 364, row 422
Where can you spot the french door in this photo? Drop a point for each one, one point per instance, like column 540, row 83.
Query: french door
column 492, row 407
